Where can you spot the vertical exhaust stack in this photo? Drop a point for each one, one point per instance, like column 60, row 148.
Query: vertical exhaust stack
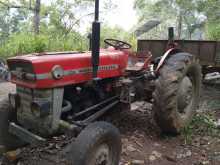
column 95, row 41
column 171, row 42
column 171, row 34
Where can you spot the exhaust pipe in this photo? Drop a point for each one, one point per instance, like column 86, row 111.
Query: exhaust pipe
column 171, row 34
column 95, row 41
column 171, row 39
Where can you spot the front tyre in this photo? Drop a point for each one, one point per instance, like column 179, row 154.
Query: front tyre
column 7, row 141
column 97, row 144
column 177, row 92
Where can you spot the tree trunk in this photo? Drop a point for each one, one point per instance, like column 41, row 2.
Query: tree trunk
column 37, row 17
column 190, row 32
column 179, row 31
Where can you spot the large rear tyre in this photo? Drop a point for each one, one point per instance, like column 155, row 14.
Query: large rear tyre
column 7, row 141
column 177, row 92
column 97, row 144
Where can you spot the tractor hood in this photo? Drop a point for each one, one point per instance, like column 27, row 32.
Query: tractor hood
column 49, row 70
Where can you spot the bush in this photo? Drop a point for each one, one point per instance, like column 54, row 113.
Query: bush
column 19, row 44
column 203, row 124
column 213, row 31
column 26, row 43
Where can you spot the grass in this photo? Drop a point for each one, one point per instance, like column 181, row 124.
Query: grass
column 203, row 124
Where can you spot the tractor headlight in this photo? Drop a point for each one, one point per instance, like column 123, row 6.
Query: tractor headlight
column 35, row 109
column 57, row 72
column 40, row 108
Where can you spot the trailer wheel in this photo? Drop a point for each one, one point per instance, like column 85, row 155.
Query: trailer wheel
column 177, row 92
column 7, row 141
column 97, row 144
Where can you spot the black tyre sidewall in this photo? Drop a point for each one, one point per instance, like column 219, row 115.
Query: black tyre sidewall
column 91, row 138
column 7, row 140
column 165, row 105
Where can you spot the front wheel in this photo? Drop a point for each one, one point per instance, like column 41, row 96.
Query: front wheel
column 177, row 92
column 97, row 144
column 7, row 141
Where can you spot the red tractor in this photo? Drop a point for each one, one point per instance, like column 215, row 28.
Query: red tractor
column 68, row 91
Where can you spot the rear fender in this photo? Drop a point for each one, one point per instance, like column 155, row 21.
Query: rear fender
column 164, row 57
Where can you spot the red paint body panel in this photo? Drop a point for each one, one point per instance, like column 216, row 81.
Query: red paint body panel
column 43, row 64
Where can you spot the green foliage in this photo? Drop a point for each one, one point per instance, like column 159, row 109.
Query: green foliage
column 60, row 21
column 213, row 31
column 25, row 43
column 155, row 10
column 211, row 8
column 185, row 15
column 118, row 33
column 203, row 125
column 22, row 44
column 74, row 41
column 19, row 44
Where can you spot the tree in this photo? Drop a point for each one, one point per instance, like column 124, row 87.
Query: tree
column 62, row 15
column 182, row 14
column 37, row 16
column 56, row 24
column 66, row 16
column 10, row 21
column 27, row 5
column 211, row 10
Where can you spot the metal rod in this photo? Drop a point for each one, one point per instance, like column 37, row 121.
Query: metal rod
column 24, row 134
column 101, row 112
column 67, row 126
column 95, row 106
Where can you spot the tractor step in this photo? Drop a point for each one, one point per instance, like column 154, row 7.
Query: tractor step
column 24, row 134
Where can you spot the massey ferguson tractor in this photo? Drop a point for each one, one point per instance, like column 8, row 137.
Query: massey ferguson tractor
column 65, row 92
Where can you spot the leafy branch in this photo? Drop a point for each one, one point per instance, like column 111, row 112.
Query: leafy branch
column 11, row 6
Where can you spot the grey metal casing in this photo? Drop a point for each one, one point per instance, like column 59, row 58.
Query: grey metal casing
column 46, row 125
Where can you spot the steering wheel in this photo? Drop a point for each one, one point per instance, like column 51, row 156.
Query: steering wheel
column 117, row 44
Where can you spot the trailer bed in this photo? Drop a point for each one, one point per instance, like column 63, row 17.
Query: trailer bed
column 208, row 52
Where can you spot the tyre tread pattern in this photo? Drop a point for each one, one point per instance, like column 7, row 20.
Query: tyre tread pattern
column 91, row 136
column 166, row 89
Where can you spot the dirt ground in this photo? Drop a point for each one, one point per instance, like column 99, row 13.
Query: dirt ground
column 142, row 140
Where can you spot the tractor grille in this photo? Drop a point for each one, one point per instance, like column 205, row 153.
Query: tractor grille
column 21, row 70
column 26, row 98
column 24, row 114
column 24, row 66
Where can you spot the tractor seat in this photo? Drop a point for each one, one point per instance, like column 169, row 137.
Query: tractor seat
column 135, row 67
column 138, row 63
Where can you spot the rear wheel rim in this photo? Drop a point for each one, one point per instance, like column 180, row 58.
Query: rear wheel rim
column 101, row 156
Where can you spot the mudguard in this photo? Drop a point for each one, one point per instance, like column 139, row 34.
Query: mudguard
column 164, row 57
